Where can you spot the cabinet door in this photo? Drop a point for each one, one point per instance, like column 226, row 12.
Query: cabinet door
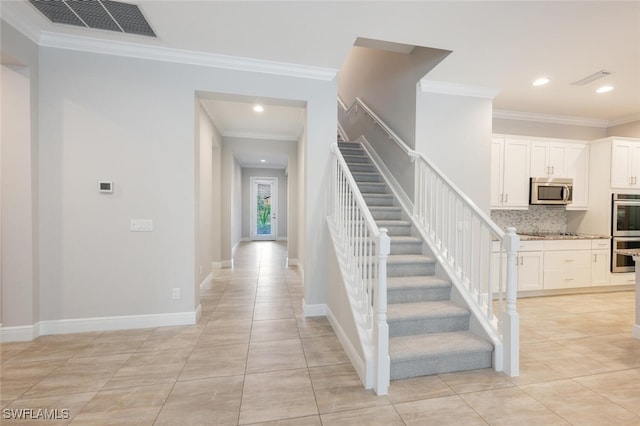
column 530, row 271
column 621, row 157
column 540, row 159
column 557, row 160
column 576, row 159
column 600, row 267
column 635, row 165
column 497, row 172
column 516, row 173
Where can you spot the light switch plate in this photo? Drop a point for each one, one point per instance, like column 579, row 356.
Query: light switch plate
column 141, row 225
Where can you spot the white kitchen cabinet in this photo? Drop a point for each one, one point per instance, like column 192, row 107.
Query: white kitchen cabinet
column 510, row 173
column 529, row 266
column 563, row 160
column 600, row 262
column 625, row 164
column 567, row 264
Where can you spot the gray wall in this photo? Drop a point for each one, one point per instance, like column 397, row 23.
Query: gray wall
column 547, row 130
column 247, row 174
column 105, row 117
column 19, row 162
column 629, row 130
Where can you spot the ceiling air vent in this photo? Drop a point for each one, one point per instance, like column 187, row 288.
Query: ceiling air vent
column 99, row 14
column 591, row 78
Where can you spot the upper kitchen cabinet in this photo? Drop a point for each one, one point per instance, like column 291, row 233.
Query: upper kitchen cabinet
column 625, row 164
column 509, row 173
column 563, row 160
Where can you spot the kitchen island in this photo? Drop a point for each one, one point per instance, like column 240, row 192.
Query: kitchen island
column 635, row 253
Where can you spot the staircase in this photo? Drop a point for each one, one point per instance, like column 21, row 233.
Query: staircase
column 428, row 333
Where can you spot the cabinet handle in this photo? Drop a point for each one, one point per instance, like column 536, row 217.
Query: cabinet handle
column 506, row 198
column 595, row 258
column 553, row 169
column 569, row 260
column 521, row 260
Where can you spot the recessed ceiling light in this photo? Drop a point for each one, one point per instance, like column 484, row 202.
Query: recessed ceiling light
column 258, row 108
column 263, row 161
column 540, row 81
column 604, row 89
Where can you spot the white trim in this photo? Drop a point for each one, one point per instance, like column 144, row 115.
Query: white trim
column 125, row 322
column 216, row 265
column 317, row 310
column 21, row 333
column 206, row 280
column 457, row 89
column 282, row 239
column 292, row 262
column 548, row 118
column 359, row 364
column 261, row 136
column 158, row 53
column 636, row 331
column 227, row 263
column 83, row 325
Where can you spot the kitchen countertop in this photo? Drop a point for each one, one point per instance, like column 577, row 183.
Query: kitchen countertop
column 629, row 252
column 561, row 236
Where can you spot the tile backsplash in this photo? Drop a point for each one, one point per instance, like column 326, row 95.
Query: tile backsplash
column 536, row 219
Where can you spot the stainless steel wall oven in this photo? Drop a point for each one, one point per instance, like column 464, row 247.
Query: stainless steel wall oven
column 625, row 230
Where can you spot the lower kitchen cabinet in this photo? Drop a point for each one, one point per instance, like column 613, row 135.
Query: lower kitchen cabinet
column 530, row 270
column 567, row 264
column 600, row 262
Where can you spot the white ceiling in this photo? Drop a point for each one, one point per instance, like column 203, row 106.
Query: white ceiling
column 502, row 45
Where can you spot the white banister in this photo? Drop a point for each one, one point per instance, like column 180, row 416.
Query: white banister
column 362, row 250
column 463, row 238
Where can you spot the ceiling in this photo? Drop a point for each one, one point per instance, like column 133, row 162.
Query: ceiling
column 502, row 45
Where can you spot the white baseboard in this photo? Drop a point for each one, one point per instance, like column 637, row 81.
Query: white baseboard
column 198, row 313
column 282, row 239
column 83, row 325
column 216, row 265
column 318, row 310
column 22, row 333
column 206, row 280
column 227, row 263
column 292, row 262
column 358, row 363
column 636, row 331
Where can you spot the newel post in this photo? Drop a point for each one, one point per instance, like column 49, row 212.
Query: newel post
column 382, row 362
column 510, row 317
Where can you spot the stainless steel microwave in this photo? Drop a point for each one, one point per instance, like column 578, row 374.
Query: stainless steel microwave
column 551, row 191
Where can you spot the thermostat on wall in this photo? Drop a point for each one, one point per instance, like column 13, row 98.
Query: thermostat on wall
column 105, row 186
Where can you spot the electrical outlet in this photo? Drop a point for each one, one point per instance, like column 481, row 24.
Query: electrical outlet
column 175, row 293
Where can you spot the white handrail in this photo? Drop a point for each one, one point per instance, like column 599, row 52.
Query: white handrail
column 462, row 237
column 362, row 249
column 390, row 133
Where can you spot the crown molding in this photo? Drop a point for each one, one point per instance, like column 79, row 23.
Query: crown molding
column 548, row 118
column 457, row 89
column 157, row 53
column 262, row 136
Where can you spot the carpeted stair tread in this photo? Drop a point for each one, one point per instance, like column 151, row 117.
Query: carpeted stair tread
column 424, row 310
column 436, row 345
column 400, row 259
column 416, row 282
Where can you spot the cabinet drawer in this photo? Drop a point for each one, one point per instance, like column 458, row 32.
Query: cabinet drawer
column 567, row 260
column 536, row 245
column 599, row 244
column 567, row 244
column 567, row 278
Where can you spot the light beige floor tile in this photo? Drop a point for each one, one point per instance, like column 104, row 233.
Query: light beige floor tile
column 338, row 388
column 416, row 388
column 383, row 416
column 277, row 395
column 444, row 411
column 17, row 378
column 476, row 380
column 213, row 401
column 324, row 350
column 139, row 405
column 275, row 355
column 511, row 406
column 271, row 311
column 281, row 329
column 620, row 387
column 216, row 361
column 299, row 421
column 142, row 375
column 579, row 405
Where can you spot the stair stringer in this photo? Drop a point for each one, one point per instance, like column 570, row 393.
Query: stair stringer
column 478, row 323
column 362, row 355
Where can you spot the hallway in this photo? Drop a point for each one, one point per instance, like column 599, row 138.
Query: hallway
column 253, row 359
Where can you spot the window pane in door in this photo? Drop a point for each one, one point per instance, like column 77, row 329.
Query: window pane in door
column 263, row 217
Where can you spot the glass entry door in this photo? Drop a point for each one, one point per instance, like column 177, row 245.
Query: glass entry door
column 264, row 202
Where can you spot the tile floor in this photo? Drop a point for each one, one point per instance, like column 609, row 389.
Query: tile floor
column 253, row 359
